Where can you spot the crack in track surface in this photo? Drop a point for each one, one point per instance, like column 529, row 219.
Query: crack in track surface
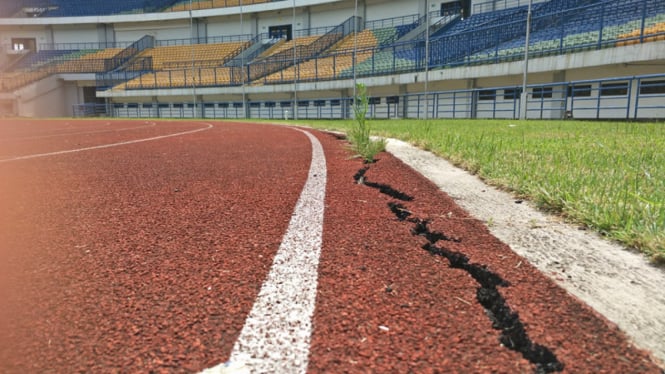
column 503, row 318
column 359, row 177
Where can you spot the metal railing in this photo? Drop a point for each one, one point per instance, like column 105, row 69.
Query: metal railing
column 391, row 22
column 619, row 98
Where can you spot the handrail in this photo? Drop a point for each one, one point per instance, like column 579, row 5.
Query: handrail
column 204, row 40
column 391, row 22
column 288, row 57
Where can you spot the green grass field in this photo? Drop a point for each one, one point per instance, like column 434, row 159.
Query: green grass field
column 608, row 176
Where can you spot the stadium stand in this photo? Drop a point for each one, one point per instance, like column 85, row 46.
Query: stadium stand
column 301, row 44
column 88, row 61
column 183, row 56
column 331, row 63
column 184, row 65
column 199, row 77
column 38, row 65
column 76, row 8
column 600, row 25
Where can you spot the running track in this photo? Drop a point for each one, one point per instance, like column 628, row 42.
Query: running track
column 137, row 246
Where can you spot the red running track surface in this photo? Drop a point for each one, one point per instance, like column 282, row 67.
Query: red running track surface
column 149, row 256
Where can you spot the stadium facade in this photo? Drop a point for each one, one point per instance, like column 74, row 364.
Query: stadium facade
column 302, row 58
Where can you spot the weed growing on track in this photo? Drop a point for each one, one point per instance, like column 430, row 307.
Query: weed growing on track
column 359, row 133
column 608, row 176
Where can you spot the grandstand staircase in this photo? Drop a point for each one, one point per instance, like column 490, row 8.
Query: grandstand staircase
column 8, row 61
column 284, row 59
column 258, row 45
column 114, row 71
column 436, row 24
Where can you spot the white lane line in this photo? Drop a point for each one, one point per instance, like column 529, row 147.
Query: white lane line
column 276, row 335
column 148, row 124
column 208, row 127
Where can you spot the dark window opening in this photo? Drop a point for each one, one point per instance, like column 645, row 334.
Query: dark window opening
column 335, row 102
column 582, row 90
column 237, row 105
column 374, row 100
column 303, row 103
column 90, row 96
column 319, row 103
column 652, row 87
column 24, row 44
column 392, row 99
column 285, row 104
column 269, row 104
column 542, row 93
column 614, row 89
column 280, row 31
column 486, row 94
column 452, row 8
column 512, row 93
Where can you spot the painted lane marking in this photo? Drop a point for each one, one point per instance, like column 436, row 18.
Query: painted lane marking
column 277, row 333
column 151, row 124
column 208, row 127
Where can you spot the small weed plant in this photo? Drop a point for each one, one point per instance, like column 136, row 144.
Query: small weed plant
column 359, row 134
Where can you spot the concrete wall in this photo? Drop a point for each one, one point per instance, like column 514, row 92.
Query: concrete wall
column 45, row 98
column 41, row 35
column 76, row 34
column 160, row 30
column 387, row 9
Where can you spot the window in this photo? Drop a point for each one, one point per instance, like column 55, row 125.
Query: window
column 178, row 105
column 319, row 103
column 147, row 105
column 303, row 103
column 652, row 87
column 285, row 104
column 512, row 93
column 269, row 104
column 209, row 105
column 486, row 94
column 118, row 105
column 223, row 105
column 335, row 102
column 254, row 105
column 23, row 44
column 582, row 90
column 542, row 93
column 237, row 105
column 163, row 105
column 132, row 106
column 392, row 99
column 614, row 89
column 374, row 100
column 448, row 9
column 280, row 31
